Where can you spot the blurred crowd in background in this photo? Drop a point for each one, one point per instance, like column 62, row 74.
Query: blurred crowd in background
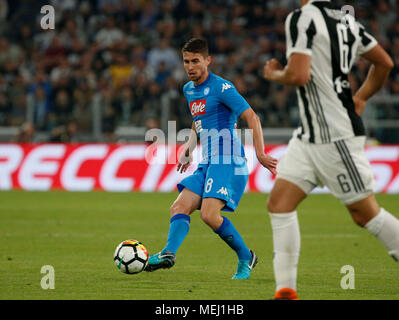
column 111, row 61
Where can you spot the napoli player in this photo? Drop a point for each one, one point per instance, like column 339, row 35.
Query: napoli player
column 221, row 177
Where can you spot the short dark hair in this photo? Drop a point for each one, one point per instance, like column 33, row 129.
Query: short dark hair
column 196, row 45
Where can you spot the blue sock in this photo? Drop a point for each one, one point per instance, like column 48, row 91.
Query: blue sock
column 178, row 229
column 230, row 235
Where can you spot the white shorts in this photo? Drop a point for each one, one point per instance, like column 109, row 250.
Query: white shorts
column 342, row 166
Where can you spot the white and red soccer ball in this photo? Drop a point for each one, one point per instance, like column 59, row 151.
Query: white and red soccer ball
column 131, row 256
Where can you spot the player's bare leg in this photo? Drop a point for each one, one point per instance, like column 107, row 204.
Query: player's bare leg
column 210, row 214
column 282, row 203
column 185, row 204
column 284, row 197
column 379, row 222
column 364, row 210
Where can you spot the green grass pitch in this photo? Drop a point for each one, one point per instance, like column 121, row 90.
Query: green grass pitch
column 77, row 233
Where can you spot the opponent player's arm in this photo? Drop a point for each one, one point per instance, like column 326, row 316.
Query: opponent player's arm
column 295, row 73
column 382, row 65
column 254, row 124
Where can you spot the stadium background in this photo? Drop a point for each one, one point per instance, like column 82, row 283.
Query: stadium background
column 96, row 82
column 111, row 70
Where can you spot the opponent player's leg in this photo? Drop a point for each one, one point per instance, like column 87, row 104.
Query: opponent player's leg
column 379, row 222
column 282, row 203
column 210, row 214
column 351, row 179
column 186, row 203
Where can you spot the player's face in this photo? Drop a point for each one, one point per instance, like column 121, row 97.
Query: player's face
column 196, row 66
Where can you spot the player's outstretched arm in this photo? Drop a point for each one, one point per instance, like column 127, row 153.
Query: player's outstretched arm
column 295, row 73
column 254, row 124
column 185, row 157
column 382, row 65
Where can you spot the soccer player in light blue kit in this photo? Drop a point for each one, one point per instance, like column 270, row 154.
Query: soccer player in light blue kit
column 221, row 177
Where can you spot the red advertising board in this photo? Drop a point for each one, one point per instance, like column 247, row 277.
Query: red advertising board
column 140, row 167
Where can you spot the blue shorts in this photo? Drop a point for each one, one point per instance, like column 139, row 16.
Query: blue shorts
column 224, row 178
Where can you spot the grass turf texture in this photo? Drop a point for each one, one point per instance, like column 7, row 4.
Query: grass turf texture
column 77, row 233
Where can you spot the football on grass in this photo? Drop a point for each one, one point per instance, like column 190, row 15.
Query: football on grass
column 131, row 256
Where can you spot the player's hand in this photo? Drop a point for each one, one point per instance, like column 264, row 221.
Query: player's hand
column 360, row 104
column 268, row 162
column 185, row 160
column 269, row 68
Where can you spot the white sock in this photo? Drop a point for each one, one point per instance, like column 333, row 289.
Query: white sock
column 386, row 228
column 286, row 243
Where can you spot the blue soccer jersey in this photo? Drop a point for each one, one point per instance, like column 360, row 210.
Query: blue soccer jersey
column 215, row 105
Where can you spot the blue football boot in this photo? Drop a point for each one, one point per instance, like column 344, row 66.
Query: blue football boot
column 245, row 267
column 161, row 260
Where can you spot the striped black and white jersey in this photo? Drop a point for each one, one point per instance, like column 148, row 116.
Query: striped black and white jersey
column 334, row 41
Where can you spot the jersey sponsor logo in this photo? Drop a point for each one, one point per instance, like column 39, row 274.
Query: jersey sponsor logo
column 226, row 86
column 198, row 126
column 197, row 107
column 223, row 191
column 340, row 85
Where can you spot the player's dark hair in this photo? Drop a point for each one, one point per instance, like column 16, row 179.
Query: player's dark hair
column 196, row 45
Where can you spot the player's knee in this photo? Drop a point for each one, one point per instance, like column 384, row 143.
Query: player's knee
column 210, row 219
column 363, row 212
column 206, row 217
column 359, row 221
column 357, row 217
column 275, row 205
column 178, row 207
column 280, row 205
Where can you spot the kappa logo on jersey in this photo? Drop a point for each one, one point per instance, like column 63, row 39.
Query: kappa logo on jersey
column 226, row 86
column 197, row 107
column 223, row 191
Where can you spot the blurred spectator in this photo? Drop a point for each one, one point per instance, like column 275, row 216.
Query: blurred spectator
column 109, row 35
column 18, row 110
column 163, row 53
column 109, row 114
column 5, row 110
column 152, row 105
column 39, row 108
column 26, row 133
column 10, row 57
column 62, row 107
column 61, row 72
column 162, row 73
column 63, row 4
column 82, row 113
column 125, row 106
column 65, row 133
column 54, row 54
column 120, row 70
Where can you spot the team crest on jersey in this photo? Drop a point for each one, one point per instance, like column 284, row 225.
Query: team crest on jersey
column 197, row 107
column 206, row 91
